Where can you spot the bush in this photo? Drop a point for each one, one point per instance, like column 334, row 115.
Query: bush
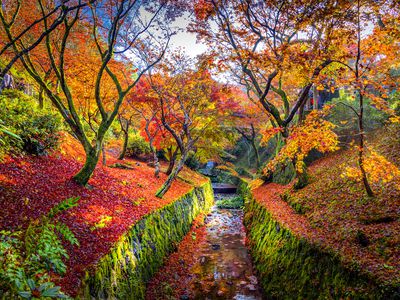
column 230, row 202
column 192, row 161
column 137, row 147
column 38, row 129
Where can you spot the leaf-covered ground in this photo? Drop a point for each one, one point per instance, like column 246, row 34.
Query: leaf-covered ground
column 116, row 199
column 174, row 279
column 335, row 212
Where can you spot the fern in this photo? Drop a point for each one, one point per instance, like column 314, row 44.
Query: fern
column 67, row 233
column 62, row 206
column 26, row 258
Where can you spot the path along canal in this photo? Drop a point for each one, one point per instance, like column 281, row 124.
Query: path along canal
column 220, row 265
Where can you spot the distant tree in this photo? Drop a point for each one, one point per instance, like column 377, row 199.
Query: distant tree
column 249, row 124
column 189, row 108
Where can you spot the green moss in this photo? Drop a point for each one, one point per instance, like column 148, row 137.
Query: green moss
column 290, row 267
column 123, row 273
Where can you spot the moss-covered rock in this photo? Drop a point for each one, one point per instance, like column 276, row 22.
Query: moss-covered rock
column 291, row 267
column 123, row 273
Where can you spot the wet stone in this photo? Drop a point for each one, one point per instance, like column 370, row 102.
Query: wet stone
column 223, row 268
column 216, row 246
column 203, row 260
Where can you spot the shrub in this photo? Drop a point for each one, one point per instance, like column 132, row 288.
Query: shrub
column 230, row 202
column 137, row 147
column 37, row 129
column 192, row 161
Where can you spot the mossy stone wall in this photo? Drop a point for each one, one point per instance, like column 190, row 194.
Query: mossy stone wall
column 290, row 267
column 123, row 273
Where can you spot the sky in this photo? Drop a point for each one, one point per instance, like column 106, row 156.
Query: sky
column 185, row 39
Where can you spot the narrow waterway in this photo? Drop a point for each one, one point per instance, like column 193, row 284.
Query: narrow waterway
column 223, row 269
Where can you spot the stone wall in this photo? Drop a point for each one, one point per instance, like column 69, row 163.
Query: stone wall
column 291, row 267
column 123, row 273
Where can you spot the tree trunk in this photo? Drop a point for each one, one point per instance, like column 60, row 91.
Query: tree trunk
column 301, row 113
column 302, row 177
column 315, row 97
column 167, row 184
column 172, row 159
column 41, row 98
column 253, row 143
column 92, row 157
column 156, row 165
column 103, row 151
column 155, row 159
column 125, row 145
column 361, row 147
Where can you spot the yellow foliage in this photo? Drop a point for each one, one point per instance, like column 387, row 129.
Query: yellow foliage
column 377, row 167
column 314, row 133
column 269, row 133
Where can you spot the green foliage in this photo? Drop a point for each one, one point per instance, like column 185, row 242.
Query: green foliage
column 346, row 120
column 137, row 146
column 193, row 161
column 62, row 206
column 27, row 257
column 230, row 202
column 5, row 130
column 37, row 129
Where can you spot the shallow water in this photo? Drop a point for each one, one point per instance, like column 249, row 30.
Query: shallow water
column 224, row 269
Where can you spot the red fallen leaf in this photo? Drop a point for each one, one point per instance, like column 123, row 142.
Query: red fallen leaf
column 46, row 181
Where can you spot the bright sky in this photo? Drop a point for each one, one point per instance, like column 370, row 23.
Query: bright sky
column 185, row 39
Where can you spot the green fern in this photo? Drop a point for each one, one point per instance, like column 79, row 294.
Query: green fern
column 27, row 257
column 67, row 233
column 62, row 206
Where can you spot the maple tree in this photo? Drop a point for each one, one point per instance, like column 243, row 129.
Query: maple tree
column 314, row 133
column 145, row 107
column 265, row 45
column 249, row 122
column 366, row 69
column 276, row 50
column 17, row 16
column 109, row 38
column 189, row 108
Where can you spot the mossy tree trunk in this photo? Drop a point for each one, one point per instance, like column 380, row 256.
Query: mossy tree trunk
column 172, row 159
column 103, row 152
column 124, row 146
column 92, row 157
column 125, row 131
column 167, row 184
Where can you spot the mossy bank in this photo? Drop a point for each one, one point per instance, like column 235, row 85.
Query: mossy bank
column 291, row 267
column 124, row 272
